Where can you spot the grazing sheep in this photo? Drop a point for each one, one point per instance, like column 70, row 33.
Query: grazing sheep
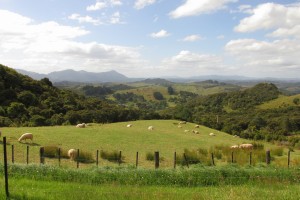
column 129, row 125
column 235, row 136
column 72, row 153
column 26, row 136
column 197, row 126
column 182, row 122
column 80, row 125
column 186, row 131
column 179, row 126
column 196, row 132
column 234, row 147
column 212, row 134
column 150, row 128
column 246, row 146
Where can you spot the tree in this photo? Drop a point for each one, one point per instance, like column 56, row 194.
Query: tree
column 171, row 90
column 158, row 96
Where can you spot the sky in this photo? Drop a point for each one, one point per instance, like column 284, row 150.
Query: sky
column 153, row 38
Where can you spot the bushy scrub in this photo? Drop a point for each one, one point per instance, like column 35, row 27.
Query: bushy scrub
column 85, row 157
column 53, row 151
column 112, row 156
column 150, row 156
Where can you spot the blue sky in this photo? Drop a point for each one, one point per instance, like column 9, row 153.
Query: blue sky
column 153, row 38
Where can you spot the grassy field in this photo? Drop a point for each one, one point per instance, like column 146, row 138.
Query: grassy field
column 165, row 138
column 28, row 189
column 231, row 182
column 282, row 101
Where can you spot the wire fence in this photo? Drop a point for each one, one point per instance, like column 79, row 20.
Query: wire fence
column 29, row 157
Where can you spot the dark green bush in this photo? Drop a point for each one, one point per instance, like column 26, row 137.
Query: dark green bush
column 113, row 156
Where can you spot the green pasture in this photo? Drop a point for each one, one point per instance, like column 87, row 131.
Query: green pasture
column 166, row 138
column 281, row 101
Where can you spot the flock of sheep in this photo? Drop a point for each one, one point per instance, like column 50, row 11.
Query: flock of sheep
column 72, row 153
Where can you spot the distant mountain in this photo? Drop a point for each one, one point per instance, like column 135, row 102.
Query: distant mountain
column 79, row 76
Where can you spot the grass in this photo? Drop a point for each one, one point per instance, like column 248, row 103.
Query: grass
column 281, row 101
column 50, row 190
column 165, row 138
column 198, row 182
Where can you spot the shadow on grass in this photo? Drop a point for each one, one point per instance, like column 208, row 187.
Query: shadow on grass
column 30, row 143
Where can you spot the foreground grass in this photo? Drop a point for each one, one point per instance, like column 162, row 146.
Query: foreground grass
column 52, row 190
column 198, row 182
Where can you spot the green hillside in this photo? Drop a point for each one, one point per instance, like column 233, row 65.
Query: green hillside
column 165, row 138
column 281, row 101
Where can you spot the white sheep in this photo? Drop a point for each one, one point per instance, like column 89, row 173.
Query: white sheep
column 80, row 125
column 150, row 128
column 234, row 147
column 179, row 126
column 182, row 122
column 72, row 153
column 26, row 136
column 212, row 134
column 197, row 126
column 186, row 131
column 129, row 125
column 246, row 146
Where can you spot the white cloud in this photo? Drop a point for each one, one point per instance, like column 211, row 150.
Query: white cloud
column 49, row 46
column 187, row 63
column 140, row 4
column 116, row 18
column 243, row 9
column 160, row 34
column 271, row 16
column 85, row 19
column 192, row 38
column 196, row 7
column 116, row 2
column 267, row 58
column 96, row 6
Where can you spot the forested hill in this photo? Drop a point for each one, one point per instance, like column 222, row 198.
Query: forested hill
column 28, row 102
column 239, row 113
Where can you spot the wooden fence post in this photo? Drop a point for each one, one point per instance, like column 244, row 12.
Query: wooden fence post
column 175, row 160
column 12, row 153
column 289, row 158
column 97, row 158
column 137, row 159
column 5, row 167
column 156, row 158
column 77, row 157
column 212, row 159
column 268, row 157
column 186, row 161
column 27, row 155
column 42, row 158
column 232, row 157
column 250, row 159
column 59, row 157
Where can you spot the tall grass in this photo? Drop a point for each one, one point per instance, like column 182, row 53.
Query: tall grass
column 197, row 175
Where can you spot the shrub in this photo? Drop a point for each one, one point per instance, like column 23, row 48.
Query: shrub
column 113, row 156
column 150, row 156
column 84, row 157
column 277, row 151
column 52, row 152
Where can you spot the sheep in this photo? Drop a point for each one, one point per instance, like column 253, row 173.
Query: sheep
column 197, row 126
column 179, row 126
column 150, row 128
column 72, row 153
column 26, row 136
column 182, row 122
column 186, row 131
column 234, row 147
column 129, row 125
column 80, row 125
column 212, row 134
column 246, row 146
column 196, row 132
